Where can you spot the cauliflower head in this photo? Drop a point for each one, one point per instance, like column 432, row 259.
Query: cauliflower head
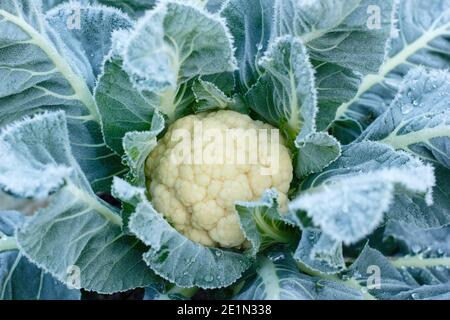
column 198, row 198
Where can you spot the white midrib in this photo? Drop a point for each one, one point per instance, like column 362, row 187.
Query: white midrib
column 351, row 283
column 82, row 92
column 405, row 140
column 168, row 105
column 419, row 262
column 372, row 79
column 294, row 119
column 8, row 243
column 315, row 33
column 269, row 277
column 89, row 200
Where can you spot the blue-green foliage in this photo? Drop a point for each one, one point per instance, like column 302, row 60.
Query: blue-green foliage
column 359, row 89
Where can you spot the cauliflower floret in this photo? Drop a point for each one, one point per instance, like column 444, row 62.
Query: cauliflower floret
column 198, row 197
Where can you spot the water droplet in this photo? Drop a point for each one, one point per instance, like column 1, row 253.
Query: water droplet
column 407, row 108
column 415, row 103
column 357, row 275
column 319, row 285
column 209, row 278
column 218, row 253
column 439, row 268
column 416, row 296
column 440, row 251
column 277, row 256
column 345, row 207
column 416, row 249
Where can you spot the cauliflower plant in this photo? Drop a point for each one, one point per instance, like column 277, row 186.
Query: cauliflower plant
column 198, row 199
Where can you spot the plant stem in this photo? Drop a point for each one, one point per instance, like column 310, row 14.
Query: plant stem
column 420, row 262
column 351, row 283
column 8, row 243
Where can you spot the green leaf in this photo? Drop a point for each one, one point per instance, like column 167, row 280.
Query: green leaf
column 45, row 69
column 319, row 252
column 332, row 30
column 418, row 120
column 76, row 222
column 49, row 4
column 396, row 281
column 138, row 145
column 215, row 92
column 414, row 240
column 27, row 171
column 214, row 5
column 420, row 39
column 349, row 199
column 134, row 8
column 93, row 35
column 162, row 56
column 415, row 210
column 19, row 278
column 277, row 278
column 285, row 96
column 262, row 223
column 121, row 106
column 22, row 280
column 347, row 131
column 209, row 97
column 286, row 93
column 250, row 23
column 317, row 150
column 224, row 81
column 173, row 256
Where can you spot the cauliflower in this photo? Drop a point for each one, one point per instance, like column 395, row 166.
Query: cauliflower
column 198, row 198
